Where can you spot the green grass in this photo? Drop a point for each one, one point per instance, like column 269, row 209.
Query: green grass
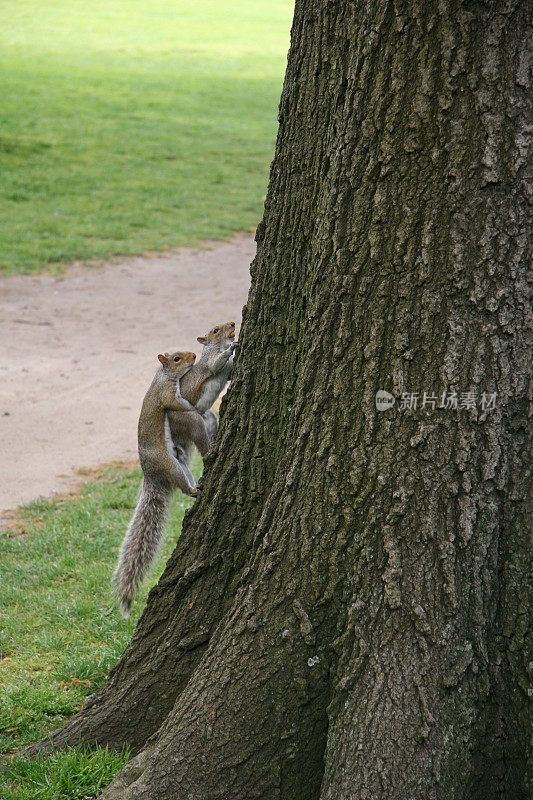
column 128, row 126
column 60, row 629
column 73, row 774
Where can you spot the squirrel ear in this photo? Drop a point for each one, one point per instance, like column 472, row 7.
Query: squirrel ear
column 163, row 359
column 202, row 339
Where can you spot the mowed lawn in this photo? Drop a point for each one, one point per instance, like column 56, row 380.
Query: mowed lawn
column 128, row 126
column 60, row 628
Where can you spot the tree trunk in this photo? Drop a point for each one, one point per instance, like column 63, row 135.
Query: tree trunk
column 345, row 613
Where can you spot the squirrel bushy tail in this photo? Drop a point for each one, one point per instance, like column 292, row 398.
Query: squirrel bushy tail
column 141, row 542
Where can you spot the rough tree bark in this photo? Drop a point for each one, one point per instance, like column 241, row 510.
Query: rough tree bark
column 344, row 615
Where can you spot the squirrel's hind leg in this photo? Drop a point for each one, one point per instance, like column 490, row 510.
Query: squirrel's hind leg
column 183, row 478
column 211, row 424
column 200, row 434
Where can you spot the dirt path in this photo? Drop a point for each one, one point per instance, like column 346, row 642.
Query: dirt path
column 79, row 350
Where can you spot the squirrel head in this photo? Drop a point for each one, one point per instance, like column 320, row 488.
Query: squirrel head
column 220, row 334
column 177, row 363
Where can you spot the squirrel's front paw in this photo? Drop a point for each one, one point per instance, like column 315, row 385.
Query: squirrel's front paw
column 193, row 492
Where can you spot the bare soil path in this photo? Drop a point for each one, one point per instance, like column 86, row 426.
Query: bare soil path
column 78, row 351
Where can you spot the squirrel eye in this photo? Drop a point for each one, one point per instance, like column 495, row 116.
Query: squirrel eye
column 176, row 359
column 215, row 330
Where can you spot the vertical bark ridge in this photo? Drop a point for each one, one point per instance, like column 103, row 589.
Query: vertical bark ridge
column 421, row 675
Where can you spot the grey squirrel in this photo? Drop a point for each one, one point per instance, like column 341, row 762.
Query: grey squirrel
column 202, row 385
column 174, row 416
column 162, row 471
